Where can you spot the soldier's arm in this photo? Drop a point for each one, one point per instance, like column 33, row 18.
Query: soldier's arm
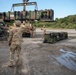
column 10, row 37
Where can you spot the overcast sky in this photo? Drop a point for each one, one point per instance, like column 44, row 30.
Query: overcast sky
column 62, row 8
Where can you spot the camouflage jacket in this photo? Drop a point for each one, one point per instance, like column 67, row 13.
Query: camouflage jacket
column 15, row 36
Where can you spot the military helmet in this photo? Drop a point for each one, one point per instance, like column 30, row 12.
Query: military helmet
column 18, row 23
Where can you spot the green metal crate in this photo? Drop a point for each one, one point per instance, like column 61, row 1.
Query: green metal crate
column 55, row 36
column 50, row 38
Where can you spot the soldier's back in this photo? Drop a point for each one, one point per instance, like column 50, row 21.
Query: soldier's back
column 17, row 36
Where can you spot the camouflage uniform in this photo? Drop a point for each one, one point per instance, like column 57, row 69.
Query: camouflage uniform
column 44, row 31
column 27, row 28
column 15, row 41
column 33, row 31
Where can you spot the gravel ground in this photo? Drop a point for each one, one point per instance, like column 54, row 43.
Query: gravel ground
column 38, row 58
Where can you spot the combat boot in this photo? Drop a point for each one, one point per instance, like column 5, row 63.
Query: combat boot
column 17, row 63
column 11, row 64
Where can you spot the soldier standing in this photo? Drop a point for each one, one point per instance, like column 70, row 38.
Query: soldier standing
column 15, row 41
column 44, row 31
column 33, row 30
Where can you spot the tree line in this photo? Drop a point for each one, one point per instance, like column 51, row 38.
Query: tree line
column 68, row 22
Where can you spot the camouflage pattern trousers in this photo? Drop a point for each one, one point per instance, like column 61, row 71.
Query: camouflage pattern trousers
column 15, row 49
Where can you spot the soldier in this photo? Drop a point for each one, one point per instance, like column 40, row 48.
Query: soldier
column 33, row 30
column 15, row 41
column 27, row 30
column 44, row 31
